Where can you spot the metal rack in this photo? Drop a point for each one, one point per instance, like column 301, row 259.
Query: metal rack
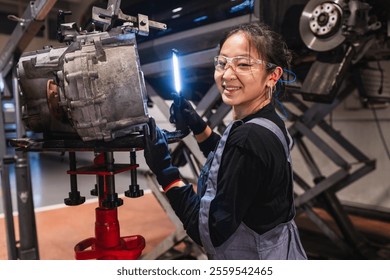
column 27, row 246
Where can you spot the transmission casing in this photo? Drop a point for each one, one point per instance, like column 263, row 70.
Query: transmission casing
column 93, row 88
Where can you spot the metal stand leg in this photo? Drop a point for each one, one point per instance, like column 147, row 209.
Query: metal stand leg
column 7, row 205
column 28, row 247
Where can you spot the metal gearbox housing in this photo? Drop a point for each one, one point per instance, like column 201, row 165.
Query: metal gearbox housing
column 94, row 87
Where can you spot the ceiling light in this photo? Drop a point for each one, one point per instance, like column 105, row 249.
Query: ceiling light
column 176, row 10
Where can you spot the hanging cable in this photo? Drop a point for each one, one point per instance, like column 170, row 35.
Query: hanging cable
column 277, row 93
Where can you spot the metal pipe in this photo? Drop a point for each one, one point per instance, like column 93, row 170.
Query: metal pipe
column 7, row 205
column 109, row 161
column 6, row 191
column 20, row 131
column 133, row 172
column 72, row 167
column 28, row 249
column 111, row 199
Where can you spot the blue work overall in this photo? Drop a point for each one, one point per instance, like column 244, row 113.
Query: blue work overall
column 281, row 242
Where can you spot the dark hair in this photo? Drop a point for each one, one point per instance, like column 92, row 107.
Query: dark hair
column 269, row 44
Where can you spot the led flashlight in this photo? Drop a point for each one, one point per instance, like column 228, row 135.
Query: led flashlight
column 175, row 111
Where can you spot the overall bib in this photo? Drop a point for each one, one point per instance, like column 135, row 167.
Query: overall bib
column 281, row 242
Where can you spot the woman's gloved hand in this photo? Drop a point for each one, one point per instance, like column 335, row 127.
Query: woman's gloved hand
column 158, row 158
column 182, row 112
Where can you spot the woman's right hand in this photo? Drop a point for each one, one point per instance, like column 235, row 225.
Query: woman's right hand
column 158, row 157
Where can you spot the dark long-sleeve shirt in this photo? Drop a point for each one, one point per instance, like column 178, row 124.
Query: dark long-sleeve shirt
column 254, row 183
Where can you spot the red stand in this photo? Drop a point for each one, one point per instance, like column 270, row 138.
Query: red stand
column 107, row 243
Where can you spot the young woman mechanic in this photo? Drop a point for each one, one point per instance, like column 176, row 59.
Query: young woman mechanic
column 243, row 207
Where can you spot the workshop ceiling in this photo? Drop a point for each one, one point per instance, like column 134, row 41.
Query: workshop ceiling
column 18, row 7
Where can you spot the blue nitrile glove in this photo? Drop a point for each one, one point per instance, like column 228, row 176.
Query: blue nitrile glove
column 182, row 112
column 158, row 158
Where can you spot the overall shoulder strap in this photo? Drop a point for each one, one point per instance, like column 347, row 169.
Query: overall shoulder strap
column 277, row 131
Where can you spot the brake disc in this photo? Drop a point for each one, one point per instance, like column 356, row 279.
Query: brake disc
column 320, row 25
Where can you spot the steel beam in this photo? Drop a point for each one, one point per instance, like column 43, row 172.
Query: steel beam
column 29, row 25
column 27, row 248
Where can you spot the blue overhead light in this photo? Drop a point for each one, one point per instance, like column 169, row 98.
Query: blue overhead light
column 242, row 6
column 198, row 19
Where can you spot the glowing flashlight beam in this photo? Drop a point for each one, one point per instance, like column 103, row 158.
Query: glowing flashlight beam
column 2, row 86
column 176, row 71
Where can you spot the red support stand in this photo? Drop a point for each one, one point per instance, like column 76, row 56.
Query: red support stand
column 107, row 244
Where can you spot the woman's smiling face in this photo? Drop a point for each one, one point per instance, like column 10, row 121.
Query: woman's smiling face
column 243, row 91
